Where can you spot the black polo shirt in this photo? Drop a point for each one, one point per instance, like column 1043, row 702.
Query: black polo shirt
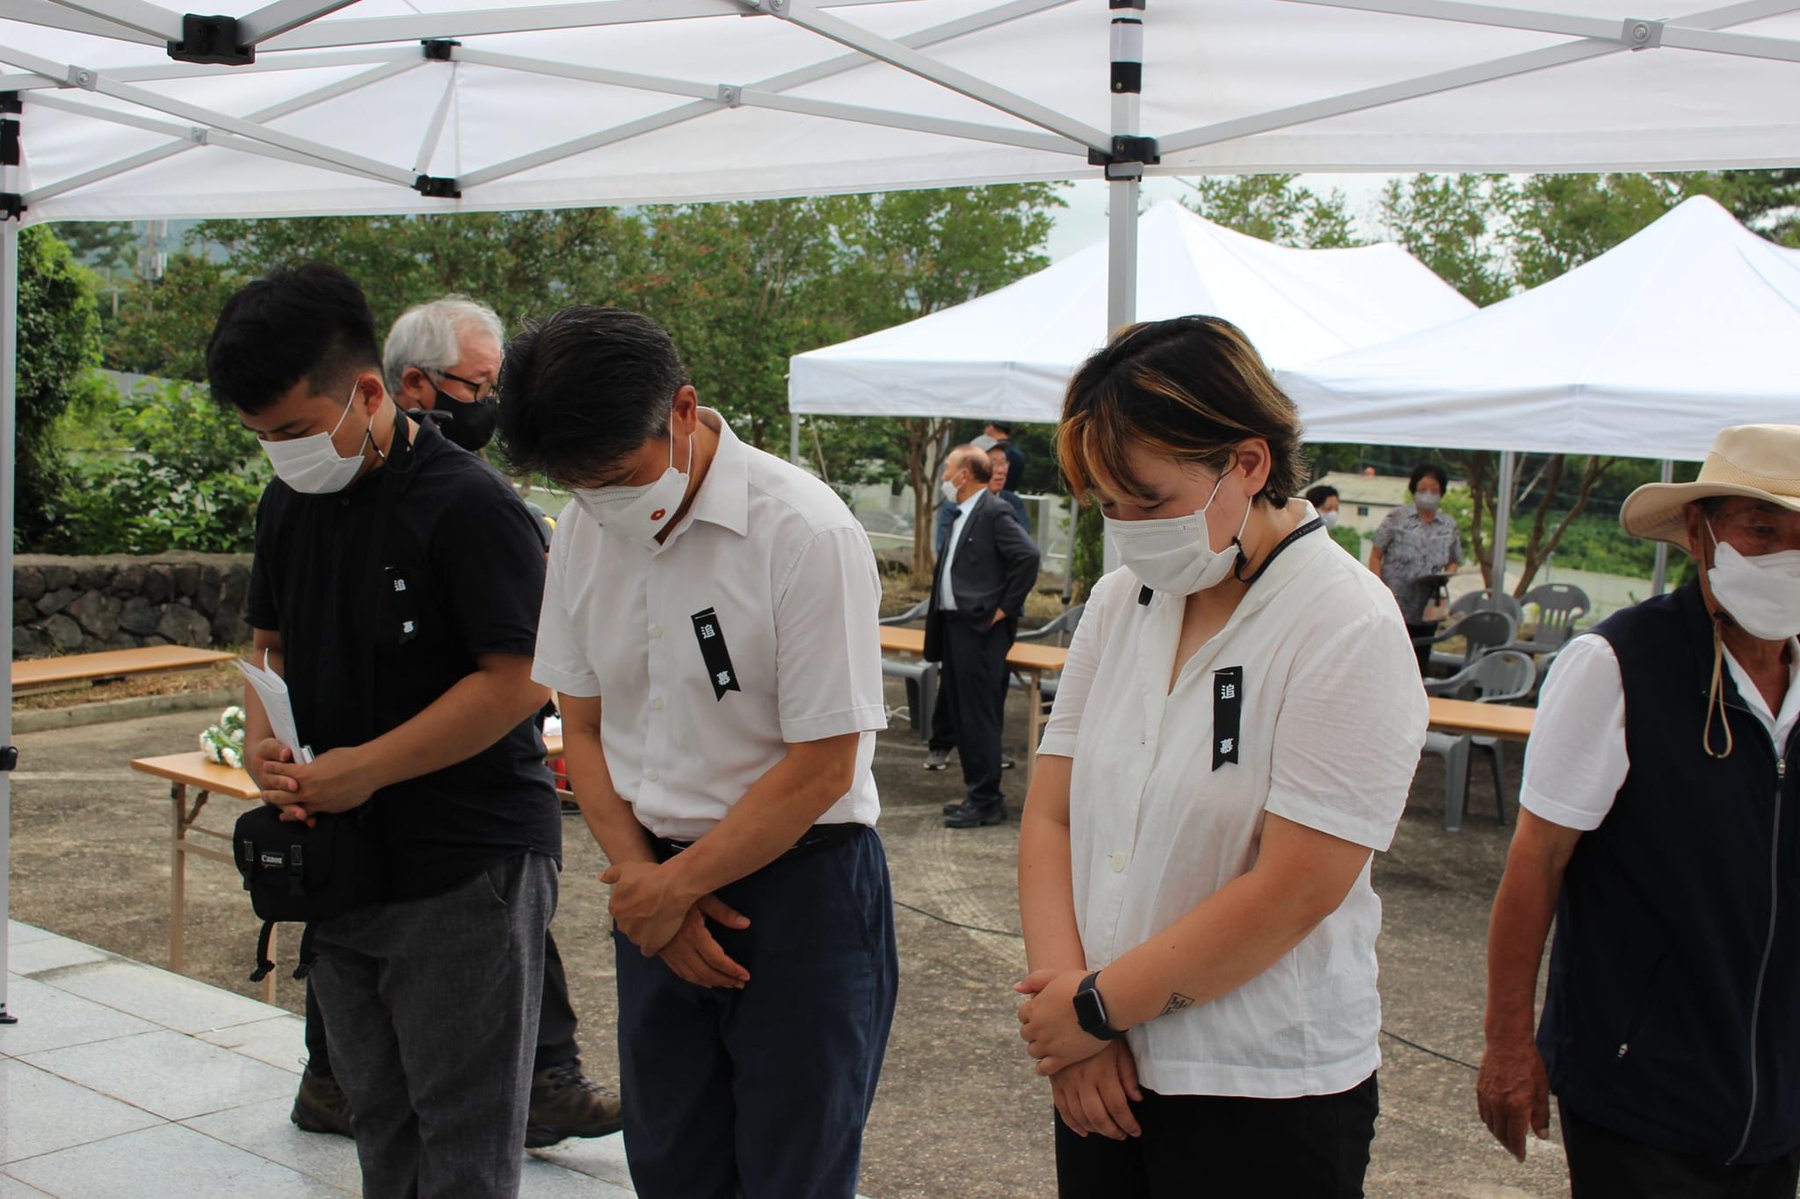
column 384, row 594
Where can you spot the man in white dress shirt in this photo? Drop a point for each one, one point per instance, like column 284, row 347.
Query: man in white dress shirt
column 1660, row 824
column 710, row 622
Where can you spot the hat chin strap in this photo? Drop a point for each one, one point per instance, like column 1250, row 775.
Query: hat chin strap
column 1715, row 698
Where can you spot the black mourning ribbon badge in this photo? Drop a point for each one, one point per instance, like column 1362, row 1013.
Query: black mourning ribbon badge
column 1228, row 706
column 712, row 648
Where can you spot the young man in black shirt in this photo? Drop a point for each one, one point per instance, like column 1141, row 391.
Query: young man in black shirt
column 395, row 587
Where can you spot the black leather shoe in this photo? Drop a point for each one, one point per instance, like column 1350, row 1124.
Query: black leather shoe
column 967, row 815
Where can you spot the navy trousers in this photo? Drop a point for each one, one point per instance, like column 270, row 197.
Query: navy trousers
column 763, row 1092
column 1605, row 1165
column 975, row 682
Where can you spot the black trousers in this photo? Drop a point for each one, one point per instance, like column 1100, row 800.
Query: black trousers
column 1198, row 1146
column 556, row 1021
column 762, row 1093
column 975, row 679
column 1605, row 1165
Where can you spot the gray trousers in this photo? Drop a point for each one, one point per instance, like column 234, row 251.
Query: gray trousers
column 432, row 1010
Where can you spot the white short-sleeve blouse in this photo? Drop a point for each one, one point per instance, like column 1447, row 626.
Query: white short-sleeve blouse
column 1331, row 722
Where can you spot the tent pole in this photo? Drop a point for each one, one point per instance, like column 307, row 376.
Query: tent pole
column 794, row 438
column 1123, row 181
column 9, row 325
column 1502, row 515
column 1659, row 579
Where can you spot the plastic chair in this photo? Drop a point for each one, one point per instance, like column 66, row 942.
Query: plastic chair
column 1493, row 678
column 1488, row 600
column 921, row 677
column 1060, row 627
column 1481, row 632
column 1559, row 607
column 916, row 612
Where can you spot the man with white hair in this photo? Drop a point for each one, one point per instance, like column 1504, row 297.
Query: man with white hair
column 443, row 357
column 1659, row 823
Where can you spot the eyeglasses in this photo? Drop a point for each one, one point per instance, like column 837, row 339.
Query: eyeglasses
column 480, row 393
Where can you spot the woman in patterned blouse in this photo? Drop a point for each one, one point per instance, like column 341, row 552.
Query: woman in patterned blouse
column 1416, row 542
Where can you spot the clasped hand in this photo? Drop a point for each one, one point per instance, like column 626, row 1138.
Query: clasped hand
column 1047, row 1020
column 335, row 781
column 662, row 922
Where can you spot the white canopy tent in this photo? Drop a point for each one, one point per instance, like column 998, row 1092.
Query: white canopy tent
column 1009, row 354
column 113, row 109
column 1646, row 351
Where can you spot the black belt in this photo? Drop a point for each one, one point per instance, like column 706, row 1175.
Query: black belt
column 814, row 840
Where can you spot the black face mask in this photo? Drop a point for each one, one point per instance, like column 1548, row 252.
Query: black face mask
column 467, row 423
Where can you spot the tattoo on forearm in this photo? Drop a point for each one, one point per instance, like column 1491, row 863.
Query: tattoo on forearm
column 1177, row 1001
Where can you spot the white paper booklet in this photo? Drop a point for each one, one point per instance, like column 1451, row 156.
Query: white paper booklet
column 272, row 690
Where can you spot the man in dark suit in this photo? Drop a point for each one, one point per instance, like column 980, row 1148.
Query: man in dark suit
column 986, row 570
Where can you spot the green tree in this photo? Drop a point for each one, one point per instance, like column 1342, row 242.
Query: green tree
column 741, row 287
column 1561, row 221
column 1275, row 208
column 175, row 475
column 58, row 340
column 1457, row 225
column 523, row 264
column 904, row 255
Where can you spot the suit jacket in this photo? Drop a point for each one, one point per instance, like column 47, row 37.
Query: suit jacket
column 946, row 517
column 994, row 567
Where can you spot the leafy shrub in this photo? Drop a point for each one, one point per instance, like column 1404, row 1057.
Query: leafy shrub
column 161, row 469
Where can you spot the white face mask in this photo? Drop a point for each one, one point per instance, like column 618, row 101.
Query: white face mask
column 949, row 491
column 312, row 464
column 1762, row 594
column 1330, row 518
column 639, row 512
column 1176, row 556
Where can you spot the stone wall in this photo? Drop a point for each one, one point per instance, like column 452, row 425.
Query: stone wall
column 78, row 605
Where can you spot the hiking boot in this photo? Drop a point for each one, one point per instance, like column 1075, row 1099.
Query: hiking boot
column 937, row 759
column 320, row 1105
column 567, row 1103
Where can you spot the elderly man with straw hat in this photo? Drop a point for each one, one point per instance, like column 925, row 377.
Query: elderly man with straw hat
column 1659, row 823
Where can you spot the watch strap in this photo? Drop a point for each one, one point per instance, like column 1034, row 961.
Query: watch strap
column 1090, row 1010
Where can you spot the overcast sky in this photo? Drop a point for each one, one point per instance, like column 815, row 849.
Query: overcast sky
column 1084, row 220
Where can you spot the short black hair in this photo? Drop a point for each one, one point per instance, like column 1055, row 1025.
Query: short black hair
column 1005, row 429
column 1428, row 470
column 583, row 388
column 307, row 322
column 1318, row 495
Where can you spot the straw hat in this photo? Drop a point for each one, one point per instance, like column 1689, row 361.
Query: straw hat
column 1758, row 461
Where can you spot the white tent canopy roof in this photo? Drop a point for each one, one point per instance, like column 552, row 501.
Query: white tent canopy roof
column 1009, row 354
column 629, row 101
column 1647, row 351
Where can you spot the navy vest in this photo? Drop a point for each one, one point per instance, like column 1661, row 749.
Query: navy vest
column 1673, row 1008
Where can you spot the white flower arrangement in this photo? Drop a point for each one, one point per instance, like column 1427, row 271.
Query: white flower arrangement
column 224, row 742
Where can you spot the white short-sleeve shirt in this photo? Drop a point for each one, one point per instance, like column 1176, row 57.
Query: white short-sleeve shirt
column 769, row 561
column 1576, row 760
column 1331, row 722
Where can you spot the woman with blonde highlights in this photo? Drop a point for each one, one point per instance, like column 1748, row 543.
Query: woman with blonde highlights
column 1194, row 855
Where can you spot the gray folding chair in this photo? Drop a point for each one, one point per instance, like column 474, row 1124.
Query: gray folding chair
column 1488, row 600
column 1480, row 632
column 1061, row 627
column 1559, row 607
column 921, row 677
column 1493, row 678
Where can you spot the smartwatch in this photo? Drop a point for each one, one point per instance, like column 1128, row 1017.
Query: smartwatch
column 1090, row 1011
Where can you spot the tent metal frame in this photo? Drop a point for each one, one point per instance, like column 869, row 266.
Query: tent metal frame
column 287, row 34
